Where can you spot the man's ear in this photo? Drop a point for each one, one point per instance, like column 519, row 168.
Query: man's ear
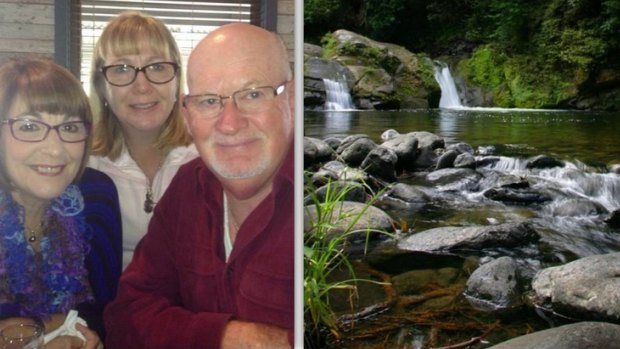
column 186, row 115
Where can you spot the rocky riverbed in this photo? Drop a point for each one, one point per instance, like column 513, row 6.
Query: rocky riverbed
column 538, row 234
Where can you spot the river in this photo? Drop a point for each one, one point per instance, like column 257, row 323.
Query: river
column 587, row 142
column 585, row 136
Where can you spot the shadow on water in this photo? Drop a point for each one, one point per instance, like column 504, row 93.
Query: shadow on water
column 422, row 303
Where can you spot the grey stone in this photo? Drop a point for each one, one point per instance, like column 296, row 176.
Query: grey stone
column 473, row 238
column 583, row 335
column 586, row 288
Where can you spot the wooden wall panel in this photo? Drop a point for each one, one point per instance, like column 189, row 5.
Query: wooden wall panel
column 26, row 27
column 286, row 25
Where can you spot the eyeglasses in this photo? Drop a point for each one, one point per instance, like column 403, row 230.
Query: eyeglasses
column 27, row 130
column 248, row 101
column 125, row 74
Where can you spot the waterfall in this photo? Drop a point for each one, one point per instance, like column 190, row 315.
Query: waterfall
column 449, row 95
column 337, row 95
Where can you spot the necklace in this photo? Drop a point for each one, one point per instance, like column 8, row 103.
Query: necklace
column 33, row 234
column 149, row 203
column 32, row 237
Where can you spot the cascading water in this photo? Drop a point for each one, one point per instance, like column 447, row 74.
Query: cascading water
column 449, row 94
column 337, row 95
column 579, row 196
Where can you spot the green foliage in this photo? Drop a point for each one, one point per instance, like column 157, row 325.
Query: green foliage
column 485, row 67
column 384, row 17
column 568, row 42
column 323, row 16
column 610, row 25
column 566, row 32
column 410, row 82
column 367, row 55
column 324, row 254
column 510, row 79
column 510, row 23
column 447, row 20
column 317, row 9
column 502, row 22
column 570, row 36
column 521, row 75
column 318, row 14
column 580, row 47
column 330, row 45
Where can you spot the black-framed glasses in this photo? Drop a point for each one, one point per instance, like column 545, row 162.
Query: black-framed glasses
column 248, row 101
column 125, row 74
column 28, row 130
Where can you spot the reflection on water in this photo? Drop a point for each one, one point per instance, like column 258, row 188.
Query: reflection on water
column 339, row 121
column 585, row 136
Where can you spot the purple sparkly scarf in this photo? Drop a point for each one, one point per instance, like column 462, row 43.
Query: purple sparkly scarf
column 54, row 280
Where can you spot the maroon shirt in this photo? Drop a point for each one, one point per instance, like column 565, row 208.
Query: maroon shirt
column 179, row 291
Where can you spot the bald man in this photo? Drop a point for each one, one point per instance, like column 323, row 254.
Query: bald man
column 215, row 269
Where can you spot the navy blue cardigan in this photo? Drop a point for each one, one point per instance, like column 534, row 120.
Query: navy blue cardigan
column 104, row 261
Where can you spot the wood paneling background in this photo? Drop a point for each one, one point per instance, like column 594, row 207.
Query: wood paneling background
column 27, row 27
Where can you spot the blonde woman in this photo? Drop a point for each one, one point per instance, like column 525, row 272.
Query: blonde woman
column 140, row 136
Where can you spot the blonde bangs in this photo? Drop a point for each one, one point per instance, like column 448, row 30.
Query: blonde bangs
column 132, row 33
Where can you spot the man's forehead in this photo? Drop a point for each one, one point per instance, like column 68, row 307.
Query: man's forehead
column 231, row 69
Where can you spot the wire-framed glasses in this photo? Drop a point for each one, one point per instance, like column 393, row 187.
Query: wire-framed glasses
column 28, row 130
column 248, row 101
column 125, row 74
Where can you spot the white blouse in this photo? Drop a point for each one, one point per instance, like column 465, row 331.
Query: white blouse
column 131, row 184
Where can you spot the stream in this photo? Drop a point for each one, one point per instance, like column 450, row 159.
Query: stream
column 433, row 311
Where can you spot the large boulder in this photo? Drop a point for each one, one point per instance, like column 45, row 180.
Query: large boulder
column 586, row 288
column 379, row 75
